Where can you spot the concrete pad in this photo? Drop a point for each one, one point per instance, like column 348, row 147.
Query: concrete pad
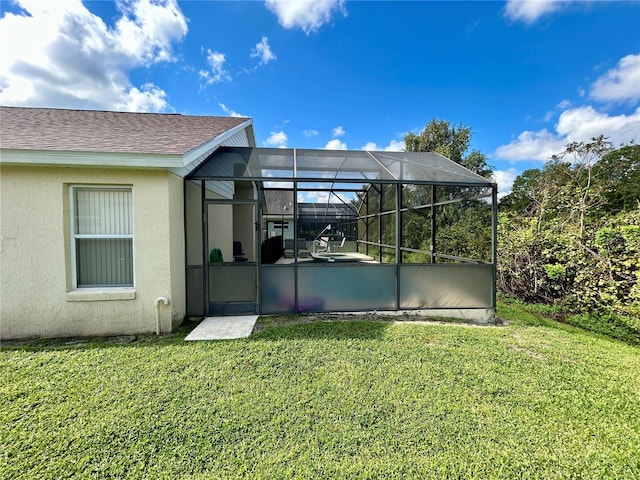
column 223, row 328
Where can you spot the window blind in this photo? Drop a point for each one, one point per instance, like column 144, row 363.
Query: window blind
column 103, row 224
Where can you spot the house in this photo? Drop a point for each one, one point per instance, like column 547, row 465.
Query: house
column 120, row 223
column 92, row 217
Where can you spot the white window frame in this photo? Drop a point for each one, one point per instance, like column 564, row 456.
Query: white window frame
column 75, row 236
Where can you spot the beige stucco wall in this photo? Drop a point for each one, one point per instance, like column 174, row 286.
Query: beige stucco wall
column 36, row 298
column 177, row 249
column 220, row 234
column 244, row 229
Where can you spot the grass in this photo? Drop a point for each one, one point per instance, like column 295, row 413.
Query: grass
column 351, row 399
column 607, row 325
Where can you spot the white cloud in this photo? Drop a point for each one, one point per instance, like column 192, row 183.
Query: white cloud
column 307, row 15
column 310, row 133
column 548, row 116
column 314, row 197
column 620, row 84
column 394, row 146
column 228, row 111
column 263, row 51
column 216, row 72
column 338, row 131
column 277, row 139
column 59, row 54
column 575, row 125
column 530, row 145
column 528, row 11
column 283, row 185
column 581, row 124
column 335, row 144
column 150, row 99
column 148, row 28
column 505, row 179
column 324, row 197
column 584, row 123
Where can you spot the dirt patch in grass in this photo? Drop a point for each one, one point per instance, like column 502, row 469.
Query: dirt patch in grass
column 267, row 321
column 528, row 352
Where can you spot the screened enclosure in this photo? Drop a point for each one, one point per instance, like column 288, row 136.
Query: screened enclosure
column 291, row 230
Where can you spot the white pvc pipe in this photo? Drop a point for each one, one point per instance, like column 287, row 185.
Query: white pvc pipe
column 160, row 301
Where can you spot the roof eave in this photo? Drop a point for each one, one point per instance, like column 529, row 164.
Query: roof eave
column 194, row 157
column 64, row 158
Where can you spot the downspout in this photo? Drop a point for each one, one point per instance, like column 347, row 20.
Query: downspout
column 160, row 301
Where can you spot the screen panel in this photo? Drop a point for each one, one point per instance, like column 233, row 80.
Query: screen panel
column 446, row 286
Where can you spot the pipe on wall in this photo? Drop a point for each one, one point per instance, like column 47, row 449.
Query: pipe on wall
column 160, row 301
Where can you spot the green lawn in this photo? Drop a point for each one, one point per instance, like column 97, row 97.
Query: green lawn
column 356, row 399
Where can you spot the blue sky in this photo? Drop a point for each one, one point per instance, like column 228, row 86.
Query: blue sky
column 526, row 76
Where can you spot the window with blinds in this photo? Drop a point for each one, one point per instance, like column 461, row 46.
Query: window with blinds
column 102, row 236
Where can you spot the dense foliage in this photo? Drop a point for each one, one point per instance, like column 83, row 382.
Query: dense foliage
column 569, row 233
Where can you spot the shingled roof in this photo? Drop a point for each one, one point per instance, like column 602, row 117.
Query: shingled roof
column 113, row 132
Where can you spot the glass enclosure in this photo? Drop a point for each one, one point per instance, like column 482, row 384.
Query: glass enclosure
column 284, row 231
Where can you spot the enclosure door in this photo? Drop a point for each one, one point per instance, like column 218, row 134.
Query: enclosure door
column 232, row 258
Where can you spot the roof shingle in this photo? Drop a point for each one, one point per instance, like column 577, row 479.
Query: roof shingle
column 101, row 131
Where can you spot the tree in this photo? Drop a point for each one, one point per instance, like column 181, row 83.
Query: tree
column 538, row 193
column 620, row 171
column 523, row 196
column 450, row 141
column 585, row 192
column 570, row 187
column 463, row 221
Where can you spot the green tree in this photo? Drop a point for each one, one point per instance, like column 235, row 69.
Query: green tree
column 620, row 172
column 538, row 193
column 450, row 141
column 463, row 221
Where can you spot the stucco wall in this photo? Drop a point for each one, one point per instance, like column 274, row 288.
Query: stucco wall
column 244, row 229
column 36, row 296
column 177, row 249
column 220, row 234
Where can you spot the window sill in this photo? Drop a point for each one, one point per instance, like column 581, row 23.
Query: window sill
column 100, row 294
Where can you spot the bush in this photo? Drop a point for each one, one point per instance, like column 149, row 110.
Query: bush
column 596, row 274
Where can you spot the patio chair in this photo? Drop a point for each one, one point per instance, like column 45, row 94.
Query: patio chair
column 321, row 245
column 288, row 248
column 238, row 252
column 302, row 248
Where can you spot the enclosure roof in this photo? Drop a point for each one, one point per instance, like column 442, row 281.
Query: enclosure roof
column 280, row 202
column 337, row 166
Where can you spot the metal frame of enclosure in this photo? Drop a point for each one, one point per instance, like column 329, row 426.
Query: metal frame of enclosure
column 338, row 231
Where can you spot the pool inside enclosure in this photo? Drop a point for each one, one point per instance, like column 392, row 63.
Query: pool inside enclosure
column 286, row 231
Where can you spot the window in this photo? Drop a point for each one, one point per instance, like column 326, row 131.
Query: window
column 102, row 236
